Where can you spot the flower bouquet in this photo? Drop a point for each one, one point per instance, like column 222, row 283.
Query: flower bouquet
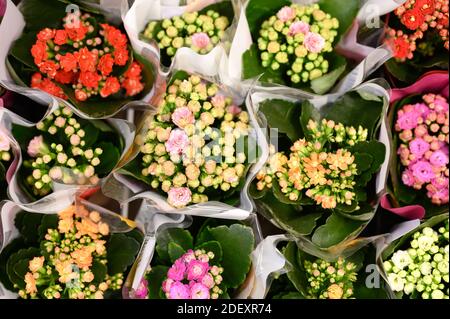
column 75, row 254
column 63, row 150
column 197, row 146
column 293, row 44
column 419, row 172
column 322, row 184
column 77, row 57
column 314, row 278
column 210, row 262
column 5, row 160
column 417, row 31
column 199, row 26
column 416, row 265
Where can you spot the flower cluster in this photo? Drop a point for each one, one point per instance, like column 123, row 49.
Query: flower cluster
column 421, row 271
column 330, row 280
column 423, row 129
column 5, row 147
column 193, row 277
column 65, row 270
column 176, row 156
column 418, row 16
column 87, row 57
column 68, row 160
column 200, row 32
column 325, row 175
column 296, row 39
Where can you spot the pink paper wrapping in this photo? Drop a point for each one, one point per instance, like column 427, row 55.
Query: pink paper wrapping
column 432, row 82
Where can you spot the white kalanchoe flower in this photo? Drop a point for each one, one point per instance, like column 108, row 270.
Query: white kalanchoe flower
column 401, row 259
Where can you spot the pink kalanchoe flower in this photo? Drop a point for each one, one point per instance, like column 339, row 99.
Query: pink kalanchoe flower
column 208, row 281
column 286, row 14
column 423, row 171
column 218, row 100
column 176, row 272
column 419, row 147
column 182, row 117
column 142, row 291
column 199, row 291
column 408, row 178
column 439, row 158
column 179, row 197
column 166, row 285
column 196, row 270
column 179, row 291
column 234, row 109
column 178, row 142
column 408, row 120
column 440, row 104
column 314, row 42
column 188, row 256
column 37, row 147
column 298, row 27
column 201, row 40
column 440, row 182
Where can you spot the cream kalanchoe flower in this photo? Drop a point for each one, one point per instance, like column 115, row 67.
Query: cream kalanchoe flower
column 203, row 147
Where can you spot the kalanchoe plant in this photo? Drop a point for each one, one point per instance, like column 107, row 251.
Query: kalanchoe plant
column 417, row 266
column 210, row 266
column 418, row 34
column 199, row 31
column 72, row 255
column 79, row 58
column 320, row 185
column 66, row 149
column 315, row 278
column 294, row 43
column 194, row 149
column 5, row 159
column 421, row 124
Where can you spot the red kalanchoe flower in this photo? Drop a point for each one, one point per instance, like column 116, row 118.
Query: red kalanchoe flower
column 47, row 85
column 134, row 71
column 46, row 34
column 400, row 44
column 413, row 19
column 111, row 86
column 68, row 62
column 64, row 77
column 121, row 56
column 76, row 33
column 49, row 67
column 132, row 83
column 60, row 37
column 87, row 60
column 114, row 36
column 425, row 6
column 106, row 64
column 80, row 95
column 89, row 79
column 39, row 52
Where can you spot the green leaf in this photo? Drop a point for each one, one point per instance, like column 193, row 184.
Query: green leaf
column 175, row 251
column 401, row 71
column 91, row 134
column 259, row 10
column 326, row 82
column 109, row 158
column 122, row 251
column 99, row 270
column 214, row 247
column 363, row 161
column 178, row 236
column 51, row 12
column 252, row 68
column 336, row 230
column 282, row 115
column 289, row 217
column 289, row 295
column 5, row 254
column 155, row 279
column 23, row 254
column 345, row 11
column 49, row 221
column 30, row 227
column 352, row 110
column 296, row 275
column 375, row 149
column 237, row 242
column 21, row 50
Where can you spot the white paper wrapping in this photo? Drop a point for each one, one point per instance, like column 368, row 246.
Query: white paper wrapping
column 62, row 195
column 11, row 29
